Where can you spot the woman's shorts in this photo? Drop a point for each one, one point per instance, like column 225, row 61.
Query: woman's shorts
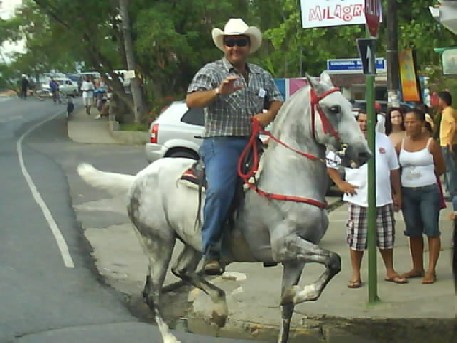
column 357, row 227
column 421, row 210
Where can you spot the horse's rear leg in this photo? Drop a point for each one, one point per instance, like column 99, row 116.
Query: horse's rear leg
column 290, row 277
column 158, row 251
column 294, row 248
column 185, row 268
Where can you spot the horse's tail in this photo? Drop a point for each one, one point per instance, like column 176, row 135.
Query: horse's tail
column 111, row 182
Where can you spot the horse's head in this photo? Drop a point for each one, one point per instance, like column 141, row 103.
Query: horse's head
column 333, row 122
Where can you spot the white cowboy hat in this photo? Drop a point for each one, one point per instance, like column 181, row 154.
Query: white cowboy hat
column 236, row 27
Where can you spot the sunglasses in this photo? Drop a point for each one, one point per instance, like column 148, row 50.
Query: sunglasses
column 231, row 42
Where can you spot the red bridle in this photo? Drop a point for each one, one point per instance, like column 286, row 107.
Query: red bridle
column 252, row 145
column 326, row 126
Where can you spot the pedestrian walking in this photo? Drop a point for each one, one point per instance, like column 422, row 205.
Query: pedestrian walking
column 70, row 106
column 55, row 90
column 233, row 92
column 87, row 88
column 24, row 86
column 388, row 200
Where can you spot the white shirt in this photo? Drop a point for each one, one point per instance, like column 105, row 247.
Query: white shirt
column 386, row 161
column 418, row 168
column 87, row 87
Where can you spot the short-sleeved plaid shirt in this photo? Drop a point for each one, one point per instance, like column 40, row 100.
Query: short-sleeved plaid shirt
column 229, row 115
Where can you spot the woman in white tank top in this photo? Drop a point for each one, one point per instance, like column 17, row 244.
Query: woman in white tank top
column 421, row 163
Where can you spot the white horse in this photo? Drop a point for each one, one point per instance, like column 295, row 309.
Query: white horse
column 282, row 218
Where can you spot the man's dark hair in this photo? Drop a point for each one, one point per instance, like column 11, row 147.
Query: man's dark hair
column 446, row 97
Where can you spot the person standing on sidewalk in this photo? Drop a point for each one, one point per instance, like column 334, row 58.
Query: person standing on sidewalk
column 87, row 88
column 448, row 142
column 422, row 162
column 232, row 91
column 388, row 200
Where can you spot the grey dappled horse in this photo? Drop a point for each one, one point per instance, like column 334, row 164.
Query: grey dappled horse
column 288, row 231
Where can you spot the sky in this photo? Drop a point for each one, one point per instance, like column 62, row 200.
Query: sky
column 7, row 11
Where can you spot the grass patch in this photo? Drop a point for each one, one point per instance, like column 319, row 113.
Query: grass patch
column 134, row 127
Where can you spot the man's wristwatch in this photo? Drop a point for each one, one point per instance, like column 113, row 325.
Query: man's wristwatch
column 217, row 91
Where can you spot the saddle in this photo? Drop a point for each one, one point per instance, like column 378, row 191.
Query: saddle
column 195, row 177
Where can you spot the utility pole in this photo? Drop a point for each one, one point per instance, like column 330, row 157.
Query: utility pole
column 393, row 81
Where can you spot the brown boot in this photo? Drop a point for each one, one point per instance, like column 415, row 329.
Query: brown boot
column 213, row 267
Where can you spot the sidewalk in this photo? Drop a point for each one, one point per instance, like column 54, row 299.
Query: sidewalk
column 411, row 312
column 84, row 128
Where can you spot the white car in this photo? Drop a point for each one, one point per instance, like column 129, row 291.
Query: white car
column 66, row 86
column 177, row 132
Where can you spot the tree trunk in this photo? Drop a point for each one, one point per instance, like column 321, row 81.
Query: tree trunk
column 138, row 104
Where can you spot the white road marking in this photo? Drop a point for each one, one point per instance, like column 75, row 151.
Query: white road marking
column 60, row 240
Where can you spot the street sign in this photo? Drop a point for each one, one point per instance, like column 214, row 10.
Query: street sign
column 353, row 65
column 367, row 51
column 373, row 15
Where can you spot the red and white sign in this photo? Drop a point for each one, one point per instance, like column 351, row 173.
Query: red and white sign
column 373, row 15
column 322, row 13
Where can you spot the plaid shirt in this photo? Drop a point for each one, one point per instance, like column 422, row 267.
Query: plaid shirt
column 229, row 115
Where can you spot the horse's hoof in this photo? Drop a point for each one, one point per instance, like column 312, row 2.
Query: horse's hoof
column 334, row 263
column 220, row 313
column 289, row 296
column 219, row 319
column 150, row 302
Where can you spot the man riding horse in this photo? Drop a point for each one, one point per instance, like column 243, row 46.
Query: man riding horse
column 232, row 91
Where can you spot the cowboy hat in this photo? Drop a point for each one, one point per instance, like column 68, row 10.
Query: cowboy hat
column 236, row 27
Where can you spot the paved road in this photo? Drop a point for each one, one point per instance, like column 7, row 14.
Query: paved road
column 50, row 290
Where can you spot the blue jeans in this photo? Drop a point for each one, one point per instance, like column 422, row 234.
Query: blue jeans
column 450, row 177
column 421, row 210
column 220, row 155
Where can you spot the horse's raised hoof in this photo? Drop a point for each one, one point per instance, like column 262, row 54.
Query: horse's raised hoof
column 289, row 296
column 334, row 263
column 309, row 293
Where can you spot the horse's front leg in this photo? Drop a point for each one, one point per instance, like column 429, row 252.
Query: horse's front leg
column 290, row 277
column 294, row 248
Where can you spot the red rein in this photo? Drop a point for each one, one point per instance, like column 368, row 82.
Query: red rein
column 252, row 146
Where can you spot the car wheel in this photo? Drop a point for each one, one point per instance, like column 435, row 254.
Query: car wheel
column 184, row 154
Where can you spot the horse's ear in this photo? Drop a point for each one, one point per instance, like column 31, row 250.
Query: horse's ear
column 312, row 81
column 325, row 78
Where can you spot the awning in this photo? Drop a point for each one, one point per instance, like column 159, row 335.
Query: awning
column 446, row 14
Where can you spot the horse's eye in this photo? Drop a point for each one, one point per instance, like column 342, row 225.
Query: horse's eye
column 335, row 109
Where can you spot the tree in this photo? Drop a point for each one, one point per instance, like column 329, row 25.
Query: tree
column 138, row 105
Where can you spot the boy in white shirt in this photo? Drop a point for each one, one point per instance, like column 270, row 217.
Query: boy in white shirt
column 388, row 199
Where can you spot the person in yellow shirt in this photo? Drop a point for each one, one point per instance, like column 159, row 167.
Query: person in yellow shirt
column 448, row 141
